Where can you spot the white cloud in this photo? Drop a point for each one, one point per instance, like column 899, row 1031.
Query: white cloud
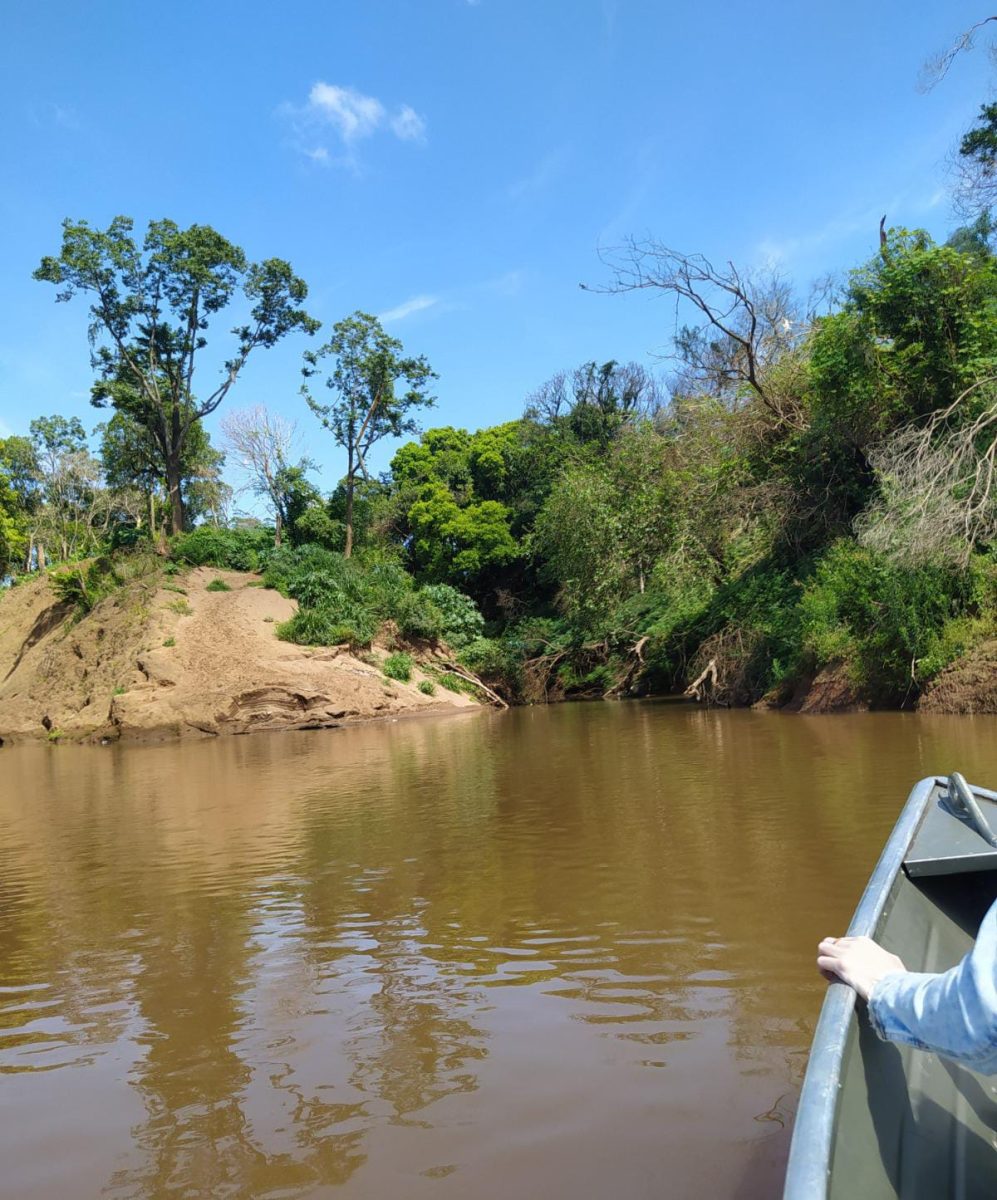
column 408, row 307
column 347, row 117
column 408, row 125
column 352, row 113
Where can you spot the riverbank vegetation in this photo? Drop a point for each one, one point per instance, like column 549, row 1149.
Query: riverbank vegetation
column 811, row 490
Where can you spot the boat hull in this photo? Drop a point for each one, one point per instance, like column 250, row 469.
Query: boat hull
column 881, row 1120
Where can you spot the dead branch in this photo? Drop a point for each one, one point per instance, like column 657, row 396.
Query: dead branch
column 636, row 665
column 705, row 683
column 468, row 677
column 746, row 324
column 935, row 69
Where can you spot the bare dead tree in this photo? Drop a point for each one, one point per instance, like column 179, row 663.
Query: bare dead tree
column 261, row 443
column 745, row 323
column 552, row 399
column 938, row 482
column 628, row 389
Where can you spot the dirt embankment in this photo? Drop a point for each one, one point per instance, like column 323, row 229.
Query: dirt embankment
column 969, row 685
column 153, row 661
column 965, row 687
column 831, row 690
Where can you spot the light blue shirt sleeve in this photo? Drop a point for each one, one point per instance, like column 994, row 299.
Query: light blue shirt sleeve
column 954, row 1014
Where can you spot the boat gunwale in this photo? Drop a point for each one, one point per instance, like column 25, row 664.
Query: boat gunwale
column 808, row 1171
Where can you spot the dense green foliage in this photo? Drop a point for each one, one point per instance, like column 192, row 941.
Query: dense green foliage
column 344, row 599
column 237, row 549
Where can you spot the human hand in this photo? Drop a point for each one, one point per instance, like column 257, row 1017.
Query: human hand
column 858, row 961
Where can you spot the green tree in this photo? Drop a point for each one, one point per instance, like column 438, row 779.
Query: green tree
column 150, row 308
column 19, row 498
column 132, row 458
column 75, row 507
column 604, row 526
column 918, row 327
column 376, row 391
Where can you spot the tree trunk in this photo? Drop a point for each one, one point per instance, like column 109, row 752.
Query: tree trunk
column 350, row 483
column 176, row 498
column 152, row 515
column 31, row 552
column 276, row 530
column 41, row 556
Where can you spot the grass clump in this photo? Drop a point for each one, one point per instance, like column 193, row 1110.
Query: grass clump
column 218, row 585
column 456, row 683
column 170, row 641
column 398, row 666
column 181, row 607
column 427, row 687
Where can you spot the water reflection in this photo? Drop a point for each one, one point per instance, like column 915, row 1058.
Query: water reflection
column 559, row 950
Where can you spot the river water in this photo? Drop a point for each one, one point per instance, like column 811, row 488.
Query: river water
column 559, row 952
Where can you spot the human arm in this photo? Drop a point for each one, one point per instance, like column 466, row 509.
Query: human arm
column 953, row 1013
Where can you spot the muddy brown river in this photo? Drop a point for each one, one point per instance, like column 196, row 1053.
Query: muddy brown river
column 558, row 952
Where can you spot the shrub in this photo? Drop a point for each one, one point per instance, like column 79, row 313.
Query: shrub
column 85, row 584
column 427, row 687
column 327, row 627
column 126, row 537
column 895, row 624
column 461, row 622
column 237, row 549
column 340, row 595
column 485, row 656
column 218, row 585
column 418, row 617
column 398, row 666
column 454, row 683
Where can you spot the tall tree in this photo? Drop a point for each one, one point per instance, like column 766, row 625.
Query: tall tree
column 150, row 308
column 376, row 390
column 131, row 458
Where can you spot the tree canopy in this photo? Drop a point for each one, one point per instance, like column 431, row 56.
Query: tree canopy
column 151, row 307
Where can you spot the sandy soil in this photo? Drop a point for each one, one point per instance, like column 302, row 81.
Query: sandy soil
column 152, row 663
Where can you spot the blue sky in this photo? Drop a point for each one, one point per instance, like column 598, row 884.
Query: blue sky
column 455, row 165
